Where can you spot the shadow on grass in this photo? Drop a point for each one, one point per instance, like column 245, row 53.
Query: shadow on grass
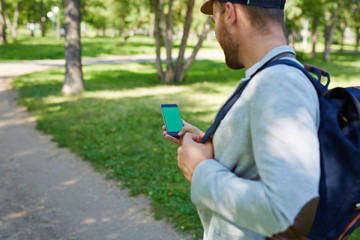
column 343, row 66
column 203, row 76
column 19, row 51
column 113, row 79
column 48, row 48
column 95, row 47
column 122, row 136
column 121, row 77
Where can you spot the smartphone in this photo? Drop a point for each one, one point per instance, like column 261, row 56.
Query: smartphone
column 172, row 119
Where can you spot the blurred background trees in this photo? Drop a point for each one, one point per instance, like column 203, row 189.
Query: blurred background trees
column 173, row 20
column 306, row 20
column 311, row 26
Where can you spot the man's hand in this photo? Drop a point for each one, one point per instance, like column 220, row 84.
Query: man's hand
column 191, row 153
column 187, row 128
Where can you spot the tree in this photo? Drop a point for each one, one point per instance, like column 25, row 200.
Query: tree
column 314, row 11
column 331, row 19
column 293, row 15
column 129, row 16
column 344, row 21
column 74, row 82
column 96, row 13
column 164, row 27
column 14, row 25
column 355, row 21
column 2, row 25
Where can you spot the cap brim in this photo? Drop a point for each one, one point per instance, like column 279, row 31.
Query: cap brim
column 207, row 7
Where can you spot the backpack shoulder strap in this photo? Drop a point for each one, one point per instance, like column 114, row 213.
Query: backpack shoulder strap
column 224, row 110
column 320, row 88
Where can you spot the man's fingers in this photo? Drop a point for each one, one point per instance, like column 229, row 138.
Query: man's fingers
column 189, row 138
column 187, row 129
column 173, row 139
column 184, row 130
column 179, row 150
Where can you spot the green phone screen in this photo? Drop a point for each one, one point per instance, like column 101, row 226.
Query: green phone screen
column 172, row 119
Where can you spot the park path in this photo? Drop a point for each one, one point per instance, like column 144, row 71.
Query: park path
column 48, row 193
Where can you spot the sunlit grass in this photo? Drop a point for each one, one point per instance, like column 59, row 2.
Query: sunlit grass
column 320, row 46
column 116, row 123
column 50, row 48
column 28, row 48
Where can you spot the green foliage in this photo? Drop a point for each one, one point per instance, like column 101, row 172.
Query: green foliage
column 293, row 13
column 355, row 13
column 97, row 13
column 31, row 11
column 116, row 123
column 125, row 15
column 130, row 13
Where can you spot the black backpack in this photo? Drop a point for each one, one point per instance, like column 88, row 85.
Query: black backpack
column 338, row 212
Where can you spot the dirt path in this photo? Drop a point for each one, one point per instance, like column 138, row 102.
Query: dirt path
column 49, row 193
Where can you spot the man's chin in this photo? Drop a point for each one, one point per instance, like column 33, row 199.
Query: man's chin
column 233, row 65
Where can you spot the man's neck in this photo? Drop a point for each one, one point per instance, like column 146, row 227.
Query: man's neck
column 257, row 47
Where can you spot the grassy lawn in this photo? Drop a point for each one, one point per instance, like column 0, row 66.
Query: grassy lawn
column 28, row 48
column 116, row 123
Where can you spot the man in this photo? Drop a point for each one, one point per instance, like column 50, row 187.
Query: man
column 258, row 175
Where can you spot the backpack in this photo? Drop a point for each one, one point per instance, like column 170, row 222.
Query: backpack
column 338, row 212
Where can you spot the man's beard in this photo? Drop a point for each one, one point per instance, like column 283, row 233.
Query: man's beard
column 230, row 48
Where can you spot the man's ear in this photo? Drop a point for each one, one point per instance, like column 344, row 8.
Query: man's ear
column 231, row 16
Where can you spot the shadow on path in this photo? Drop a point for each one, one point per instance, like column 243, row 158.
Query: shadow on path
column 47, row 192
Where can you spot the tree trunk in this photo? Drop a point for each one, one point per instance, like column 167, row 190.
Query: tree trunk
column 13, row 27
column 2, row 25
column 33, row 11
column 160, row 71
column 342, row 28
column 182, row 74
column 179, row 76
column 292, row 38
column 167, row 35
column 357, row 31
column 164, row 32
column 58, row 26
column 74, row 82
column 329, row 33
column 314, row 36
column 7, row 21
column 15, row 20
column 42, row 22
column 127, row 34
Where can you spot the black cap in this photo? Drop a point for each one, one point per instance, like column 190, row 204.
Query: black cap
column 207, row 7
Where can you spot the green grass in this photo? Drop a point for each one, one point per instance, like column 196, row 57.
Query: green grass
column 344, row 68
column 28, row 48
column 116, row 123
column 355, row 235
